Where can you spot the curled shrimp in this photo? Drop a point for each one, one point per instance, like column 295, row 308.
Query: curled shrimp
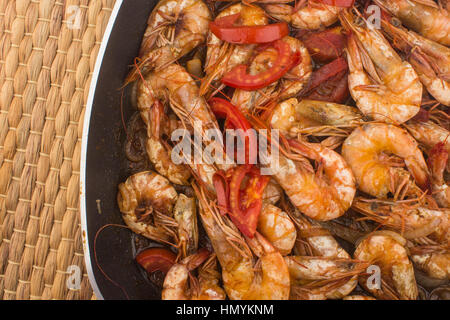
column 268, row 279
column 288, row 86
column 376, row 153
column 386, row 249
column 176, row 283
column 424, row 17
column 221, row 56
column 430, row 59
column 276, row 226
column 175, row 27
column 306, row 14
column 324, row 195
column 385, row 87
column 146, row 201
column 316, row 118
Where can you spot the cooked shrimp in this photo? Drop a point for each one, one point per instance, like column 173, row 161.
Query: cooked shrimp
column 410, row 221
column 146, row 201
column 321, row 198
column 221, row 56
column 175, row 27
column 424, row 17
column 430, row 59
column 306, row 14
column 185, row 214
column 383, row 86
column 288, row 86
column 158, row 154
column 434, row 262
column 209, row 281
column 387, row 250
column 293, row 117
column 176, row 286
column 315, row 278
column 272, row 192
column 242, row 279
column 368, row 151
column 174, row 86
column 276, row 226
column 437, row 160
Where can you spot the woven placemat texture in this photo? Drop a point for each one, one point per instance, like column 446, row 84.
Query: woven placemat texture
column 48, row 50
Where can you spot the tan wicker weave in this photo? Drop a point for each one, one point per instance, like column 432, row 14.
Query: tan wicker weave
column 47, row 54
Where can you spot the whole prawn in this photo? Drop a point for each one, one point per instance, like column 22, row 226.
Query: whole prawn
column 430, row 59
column 368, row 151
column 242, row 279
column 314, row 195
column 306, row 14
column 424, row 17
column 385, row 87
column 175, row 27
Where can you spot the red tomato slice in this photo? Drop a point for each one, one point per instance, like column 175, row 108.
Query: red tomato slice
column 337, row 3
column 249, row 34
column 235, row 119
column 156, row 259
column 240, row 79
column 246, row 203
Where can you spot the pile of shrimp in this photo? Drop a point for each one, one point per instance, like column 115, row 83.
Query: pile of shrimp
column 358, row 206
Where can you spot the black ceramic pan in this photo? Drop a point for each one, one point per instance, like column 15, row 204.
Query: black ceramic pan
column 102, row 155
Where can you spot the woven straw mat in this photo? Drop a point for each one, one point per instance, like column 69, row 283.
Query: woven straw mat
column 48, row 50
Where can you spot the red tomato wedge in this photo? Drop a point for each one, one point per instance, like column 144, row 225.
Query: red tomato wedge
column 249, row 34
column 239, row 78
column 246, row 203
column 337, row 3
column 236, row 120
column 156, row 259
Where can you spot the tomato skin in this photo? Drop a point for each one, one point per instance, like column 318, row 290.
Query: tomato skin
column 324, row 46
column 239, row 78
column 236, row 120
column 249, row 34
column 246, row 204
column 156, row 259
column 222, row 191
